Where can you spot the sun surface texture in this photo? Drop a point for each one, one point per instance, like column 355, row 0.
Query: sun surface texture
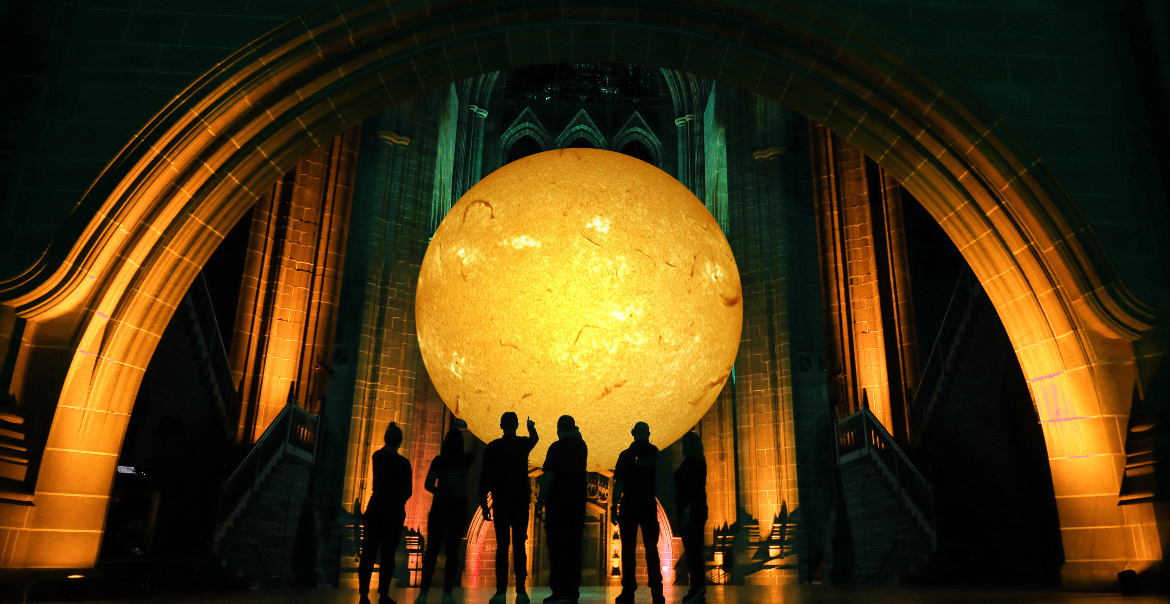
column 580, row 282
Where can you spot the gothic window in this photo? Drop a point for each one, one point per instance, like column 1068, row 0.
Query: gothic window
column 636, row 149
column 523, row 147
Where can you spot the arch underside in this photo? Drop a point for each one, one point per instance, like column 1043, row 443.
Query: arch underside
column 109, row 283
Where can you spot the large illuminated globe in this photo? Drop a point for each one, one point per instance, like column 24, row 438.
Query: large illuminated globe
column 580, row 282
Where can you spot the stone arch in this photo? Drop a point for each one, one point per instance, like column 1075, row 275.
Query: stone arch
column 525, row 125
column 636, row 129
column 103, row 291
column 522, row 147
column 581, row 127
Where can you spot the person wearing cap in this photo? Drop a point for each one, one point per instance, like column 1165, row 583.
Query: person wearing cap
column 385, row 515
column 505, row 476
column 636, row 507
column 562, row 495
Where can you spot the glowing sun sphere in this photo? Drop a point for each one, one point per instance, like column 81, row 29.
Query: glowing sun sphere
column 580, row 282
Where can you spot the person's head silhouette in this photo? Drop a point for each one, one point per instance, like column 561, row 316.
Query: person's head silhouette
column 641, row 431
column 452, row 443
column 509, row 422
column 692, row 445
column 566, row 426
column 393, row 436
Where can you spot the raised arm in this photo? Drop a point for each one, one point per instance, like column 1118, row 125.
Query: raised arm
column 533, row 437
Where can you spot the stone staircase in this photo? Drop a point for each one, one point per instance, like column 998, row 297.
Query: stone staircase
column 963, row 313
column 267, row 525
column 888, row 505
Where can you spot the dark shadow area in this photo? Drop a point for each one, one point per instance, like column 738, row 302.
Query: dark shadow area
column 607, row 91
column 522, row 148
column 981, row 445
column 177, row 451
column 638, row 150
column 223, row 271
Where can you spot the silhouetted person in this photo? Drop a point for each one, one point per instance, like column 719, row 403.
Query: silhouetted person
column 385, row 515
column 505, row 476
column 447, row 522
column 690, row 497
column 635, row 506
column 562, row 494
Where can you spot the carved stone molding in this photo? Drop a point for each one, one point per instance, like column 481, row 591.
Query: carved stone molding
column 768, row 153
column 393, row 138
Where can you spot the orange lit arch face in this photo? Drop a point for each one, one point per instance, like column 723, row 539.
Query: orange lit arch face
column 580, row 282
column 111, row 280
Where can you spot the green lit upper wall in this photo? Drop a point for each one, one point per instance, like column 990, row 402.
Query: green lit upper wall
column 94, row 71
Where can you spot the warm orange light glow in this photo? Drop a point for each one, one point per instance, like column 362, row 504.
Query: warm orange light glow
column 580, row 282
column 76, row 577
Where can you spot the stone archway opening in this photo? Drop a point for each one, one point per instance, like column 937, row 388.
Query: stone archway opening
column 101, row 295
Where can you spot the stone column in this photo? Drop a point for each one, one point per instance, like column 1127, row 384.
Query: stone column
column 869, row 308
column 283, row 333
column 764, row 405
column 688, row 168
column 856, row 347
column 379, row 375
column 477, row 127
column 899, row 278
column 717, row 429
column 386, row 363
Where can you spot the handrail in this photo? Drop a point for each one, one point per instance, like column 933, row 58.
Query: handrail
column 862, row 430
column 944, row 343
column 216, row 351
column 293, row 427
column 886, row 560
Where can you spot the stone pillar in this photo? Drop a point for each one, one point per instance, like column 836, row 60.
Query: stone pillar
column 387, row 358
column 869, row 328
column 764, row 406
column 283, row 335
column 765, row 419
column 898, row 312
column 379, row 375
column 477, row 127
column 468, row 151
column 717, row 429
column 718, row 426
column 474, row 95
column 688, row 160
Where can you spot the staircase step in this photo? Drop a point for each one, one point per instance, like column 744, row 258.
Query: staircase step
column 1133, row 498
column 1144, row 460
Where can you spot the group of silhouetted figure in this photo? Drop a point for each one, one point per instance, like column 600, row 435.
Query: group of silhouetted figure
column 561, row 500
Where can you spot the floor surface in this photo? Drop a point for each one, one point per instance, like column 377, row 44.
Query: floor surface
column 739, row 594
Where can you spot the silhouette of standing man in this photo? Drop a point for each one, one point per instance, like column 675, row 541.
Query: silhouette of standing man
column 563, row 490
column 385, row 515
column 447, row 521
column 505, row 476
column 635, row 506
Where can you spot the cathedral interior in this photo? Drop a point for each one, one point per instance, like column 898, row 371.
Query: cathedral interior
column 951, row 222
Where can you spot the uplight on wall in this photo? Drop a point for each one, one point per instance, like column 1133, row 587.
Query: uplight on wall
column 580, row 282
